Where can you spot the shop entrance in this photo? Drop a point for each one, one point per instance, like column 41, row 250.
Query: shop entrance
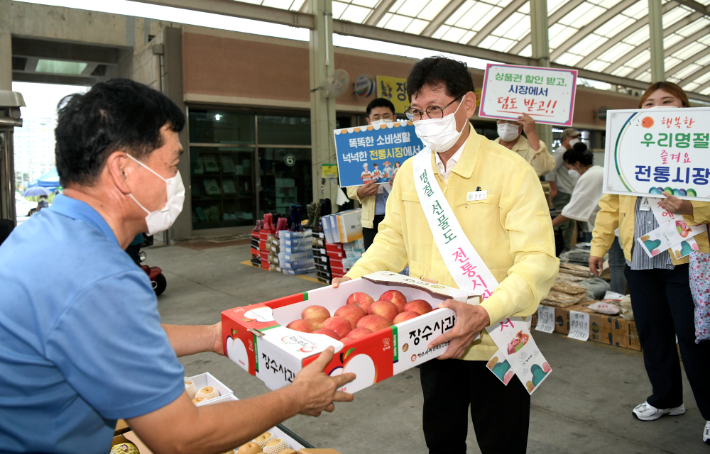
column 245, row 163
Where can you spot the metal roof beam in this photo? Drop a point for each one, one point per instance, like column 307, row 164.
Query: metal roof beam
column 589, row 28
column 616, row 39
column 59, row 50
column 554, row 18
column 435, row 45
column 379, row 12
column 440, row 18
column 263, row 13
column 691, row 78
column 496, row 21
column 243, row 10
column 645, row 46
column 685, row 63
column 699, row 7
column 673, row 49
column 703, row 87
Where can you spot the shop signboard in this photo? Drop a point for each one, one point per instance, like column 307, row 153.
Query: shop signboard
column 649, row 151
column 545, row 94
column 394, row 89
column 374, row 153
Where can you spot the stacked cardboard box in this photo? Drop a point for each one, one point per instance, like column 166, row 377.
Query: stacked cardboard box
column 296, row 253
column 320, row 255
column 255, row 252
column 605, row 329
column 263, row 251
column 343, row 227
column 273, row 247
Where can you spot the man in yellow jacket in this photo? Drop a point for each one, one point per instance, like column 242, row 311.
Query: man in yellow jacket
column 510, row 229
column 372, row 196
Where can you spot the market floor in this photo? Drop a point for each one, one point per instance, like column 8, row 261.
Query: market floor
column 583, row 407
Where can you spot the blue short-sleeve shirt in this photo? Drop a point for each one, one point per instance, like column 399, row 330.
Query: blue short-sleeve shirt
column 80, row 338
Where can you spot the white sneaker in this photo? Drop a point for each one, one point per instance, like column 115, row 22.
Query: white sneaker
column 706, row 433
column 647, row 412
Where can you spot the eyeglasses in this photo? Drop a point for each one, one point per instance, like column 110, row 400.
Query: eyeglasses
column 432, row 112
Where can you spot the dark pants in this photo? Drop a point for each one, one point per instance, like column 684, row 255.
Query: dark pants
column 663, row 308
column 617, row 263
column 368, row 235
column 500, row 414
column 564, row 229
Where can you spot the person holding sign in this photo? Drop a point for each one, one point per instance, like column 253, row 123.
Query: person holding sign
column 373, row 197
column 482, row 214
column 532, row 149
column 660, row 288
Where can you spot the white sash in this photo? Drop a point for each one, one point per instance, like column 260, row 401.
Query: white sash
column 516, row 347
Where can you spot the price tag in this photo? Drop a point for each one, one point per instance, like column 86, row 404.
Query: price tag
column 545, row 319
column 578, row 325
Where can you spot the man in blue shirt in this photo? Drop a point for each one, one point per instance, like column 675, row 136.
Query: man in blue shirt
column 85, row 347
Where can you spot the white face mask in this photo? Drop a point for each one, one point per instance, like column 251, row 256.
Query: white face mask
column 573, row 173
column 439, row 134
column 508, row 131
column 381, row 122
column 573, row 142
column 662, row 107
column 158, row 221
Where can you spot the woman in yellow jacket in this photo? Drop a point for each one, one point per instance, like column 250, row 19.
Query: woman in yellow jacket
column 660, row 289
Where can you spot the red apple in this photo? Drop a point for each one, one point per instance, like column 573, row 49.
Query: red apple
column 301, row 325
column 383, row 308
column 421, row 307
column 359, row 332
column 338, row 324
column 404, row 316
column 327, row 332
column 373, row 322
column 351, row 313
column 396, row 297
column 361, row 299
column 345, row 340
column 316, row 315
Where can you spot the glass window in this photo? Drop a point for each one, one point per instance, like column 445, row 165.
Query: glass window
column 218, row 126
column 284, row 179
column 284, row 130
column 222, row 184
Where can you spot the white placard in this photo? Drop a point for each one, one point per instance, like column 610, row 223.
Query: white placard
column 545, row 319
column 649, row 151
column 578, row 325
column 546, row 94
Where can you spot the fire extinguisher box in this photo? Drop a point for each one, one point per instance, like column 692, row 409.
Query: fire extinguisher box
column 256, row 338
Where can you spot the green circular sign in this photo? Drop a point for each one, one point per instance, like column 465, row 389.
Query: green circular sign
column 290, row 160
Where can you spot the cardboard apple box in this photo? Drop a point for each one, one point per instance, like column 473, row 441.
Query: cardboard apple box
column 256, row 338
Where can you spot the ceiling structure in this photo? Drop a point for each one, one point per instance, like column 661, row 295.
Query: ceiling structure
column 607, row 40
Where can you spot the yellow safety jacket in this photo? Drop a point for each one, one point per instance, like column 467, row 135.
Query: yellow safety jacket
column 619, row 211
column 511, row 231
column 541, row 160
column 368, row 207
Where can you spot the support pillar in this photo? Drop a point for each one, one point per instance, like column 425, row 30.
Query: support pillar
column 655, row 25
column 322, row 108
column 5, row 47
column 541, row 52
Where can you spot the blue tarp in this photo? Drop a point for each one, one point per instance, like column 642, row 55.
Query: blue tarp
column 49, row 180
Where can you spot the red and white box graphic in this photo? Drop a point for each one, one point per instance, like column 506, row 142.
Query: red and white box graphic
column 256, row 338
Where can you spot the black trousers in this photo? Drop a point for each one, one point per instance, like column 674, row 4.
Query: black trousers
column 663, row 308
column 500, row 414
column 368, row 235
